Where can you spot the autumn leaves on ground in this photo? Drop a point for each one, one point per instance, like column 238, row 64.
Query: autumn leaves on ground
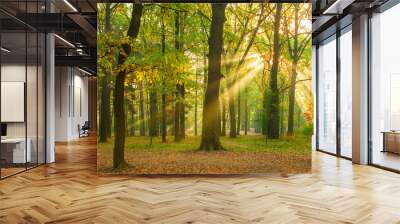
column 245, row 154
column 204, row 88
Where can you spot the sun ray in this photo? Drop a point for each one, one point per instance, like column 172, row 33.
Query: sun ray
column 253, row 66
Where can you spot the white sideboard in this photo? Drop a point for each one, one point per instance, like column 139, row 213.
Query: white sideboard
column 18, row 144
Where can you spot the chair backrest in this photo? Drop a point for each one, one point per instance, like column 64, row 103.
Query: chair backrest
column 86, row 125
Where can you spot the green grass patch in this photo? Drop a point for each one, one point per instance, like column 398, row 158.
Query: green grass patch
column 252, row 143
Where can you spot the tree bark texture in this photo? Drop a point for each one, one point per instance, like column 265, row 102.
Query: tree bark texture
column 273, row 107
column 119, row 114
column 211, row 132
column 105, row 112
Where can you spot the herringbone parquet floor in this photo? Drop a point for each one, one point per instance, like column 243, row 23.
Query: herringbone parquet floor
column 69, row 191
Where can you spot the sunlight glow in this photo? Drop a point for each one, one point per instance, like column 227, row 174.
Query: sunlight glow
column 253, row 66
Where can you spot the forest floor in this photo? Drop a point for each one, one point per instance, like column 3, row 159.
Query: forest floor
column 244, row 154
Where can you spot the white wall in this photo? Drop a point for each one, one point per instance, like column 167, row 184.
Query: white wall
column 16, row 73
column 33, row 127
column 71, row 102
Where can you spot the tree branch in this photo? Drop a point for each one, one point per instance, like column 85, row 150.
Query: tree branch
column 297, row 81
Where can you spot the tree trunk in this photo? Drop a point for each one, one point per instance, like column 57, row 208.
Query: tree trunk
column 246, row 113
column 178, row 99
column 205, row 80
column 105, row 113
column 292, row 91
column 153, row 112
column 223, row 129
column 232, row 114
column 265, row 113
column 164, row 118
column 234, row 130
column 141, row 110
column 164, row 95
column 195, row 103
column 126, row 103
column 205, row 71
column 132, row 131
column 132, row 110
column 238, row 111
column 292, row 96
column 176, row 116
column 273, row 107
column 211, row 132
column 173, row 130
column 299, row 120
column 119, row 115
column 182, row 120
column 281, row 116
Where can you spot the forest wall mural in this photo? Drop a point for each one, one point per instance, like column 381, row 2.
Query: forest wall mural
column 189, row 88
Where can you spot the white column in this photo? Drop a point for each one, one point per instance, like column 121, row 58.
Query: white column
column 50, row 100
column 360, row 90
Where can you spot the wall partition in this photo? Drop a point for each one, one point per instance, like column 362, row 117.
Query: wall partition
column 385, row 89
column 22, row 78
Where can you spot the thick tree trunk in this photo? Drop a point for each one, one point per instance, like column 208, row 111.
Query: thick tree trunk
column 119, row 115
column 273, row 124
column 211, row 132
column 105, row 113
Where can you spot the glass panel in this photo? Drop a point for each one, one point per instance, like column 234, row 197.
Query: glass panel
column 385, row 84
column 346, row 94
column 13, row 86
column 31, row 97
column 23, row 88
column 327, row 96
column 41, row 99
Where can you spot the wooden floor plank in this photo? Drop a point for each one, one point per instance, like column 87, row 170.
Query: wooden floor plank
column 70, row 191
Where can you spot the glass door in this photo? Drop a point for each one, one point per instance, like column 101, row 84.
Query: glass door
column 327, row 96
column 385, row 89
column 346, row 92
